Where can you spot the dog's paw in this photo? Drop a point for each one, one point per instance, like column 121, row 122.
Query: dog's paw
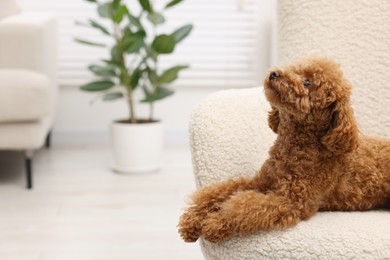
column 216, row 229
column 189, row 227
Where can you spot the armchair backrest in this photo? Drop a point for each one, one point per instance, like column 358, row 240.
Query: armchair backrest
column 8, row 7
column 229, row 132
column 357, row 35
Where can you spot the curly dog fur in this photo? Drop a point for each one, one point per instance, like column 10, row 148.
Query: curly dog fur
column 319, row 161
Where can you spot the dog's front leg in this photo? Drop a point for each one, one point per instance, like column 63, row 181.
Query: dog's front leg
column 247, row 212
column 207, row 200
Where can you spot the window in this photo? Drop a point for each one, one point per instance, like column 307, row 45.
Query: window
column 222, row 50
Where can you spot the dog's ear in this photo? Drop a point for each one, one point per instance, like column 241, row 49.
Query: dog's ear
column 342, row 136
column 273, row 119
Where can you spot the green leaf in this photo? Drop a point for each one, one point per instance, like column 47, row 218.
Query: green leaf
column 115, row 57
column 127, row 32
column 153, row 78
column 160, row 93
column 135, row 46
column 127, row 42
column 119, row 13
column 136, row 22
column 146, row 5
column 104, row 71
column 98, row 85
column 132, row 42
column 99, row 26
column 172, row 3
column 156, row 18
column 111, row 62
column 182, row 32
column 105, row 10
column 116, row 3
column 139, row 34
column 151, row 53
column 112, row 96
column 93, row 24
column 164, row 43
column 134, row 78
column 170, row 74
column 90, row 43
column 91, row 1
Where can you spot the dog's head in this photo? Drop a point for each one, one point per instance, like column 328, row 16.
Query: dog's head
column 314, row 91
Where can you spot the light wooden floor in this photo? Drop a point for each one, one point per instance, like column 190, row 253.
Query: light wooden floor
column 79, row 209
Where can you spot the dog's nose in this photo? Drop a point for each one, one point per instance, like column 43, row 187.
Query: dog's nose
column 273, row 75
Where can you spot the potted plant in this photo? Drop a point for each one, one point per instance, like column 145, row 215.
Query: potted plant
column 133, row 65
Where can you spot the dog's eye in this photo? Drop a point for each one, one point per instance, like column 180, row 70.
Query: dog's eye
column 307, row 83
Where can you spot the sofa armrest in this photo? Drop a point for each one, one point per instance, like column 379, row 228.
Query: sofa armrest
column 29, row 41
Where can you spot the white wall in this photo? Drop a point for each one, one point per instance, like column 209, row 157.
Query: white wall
column 77, row 116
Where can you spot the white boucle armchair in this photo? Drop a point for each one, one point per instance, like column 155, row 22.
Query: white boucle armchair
column 230, row 137
column 229, row 133
column 28, row 80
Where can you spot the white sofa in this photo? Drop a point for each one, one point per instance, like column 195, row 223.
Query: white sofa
column 229, row 133
column 28, row 80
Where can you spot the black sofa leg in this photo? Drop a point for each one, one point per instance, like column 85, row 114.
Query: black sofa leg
column 29, row 174
column 48, row 140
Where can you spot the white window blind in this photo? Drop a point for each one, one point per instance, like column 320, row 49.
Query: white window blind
column 222, row 50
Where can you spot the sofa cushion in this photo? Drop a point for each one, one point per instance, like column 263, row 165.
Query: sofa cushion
column 24, row 95
column 8, row 7
column 327, row 235
column 24, row 135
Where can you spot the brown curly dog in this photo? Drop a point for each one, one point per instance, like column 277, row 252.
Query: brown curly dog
column 319, row 161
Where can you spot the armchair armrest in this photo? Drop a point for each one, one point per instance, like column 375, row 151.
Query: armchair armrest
column 28, row 41
column 229, row 135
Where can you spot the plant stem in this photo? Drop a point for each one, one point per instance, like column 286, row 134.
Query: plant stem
column 151, row 111
column 125, row 75
column 133, row 118
column 154, row 86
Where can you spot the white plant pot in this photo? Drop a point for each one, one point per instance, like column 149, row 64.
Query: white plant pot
column 136, row 147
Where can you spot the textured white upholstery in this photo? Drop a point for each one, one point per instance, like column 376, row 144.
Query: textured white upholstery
column 335, row 235
column 29, row 41
column 24, row 95
column 230, row 136
column 24, row 135
column 28, row 79
column 8, row 7
column 357, row 35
